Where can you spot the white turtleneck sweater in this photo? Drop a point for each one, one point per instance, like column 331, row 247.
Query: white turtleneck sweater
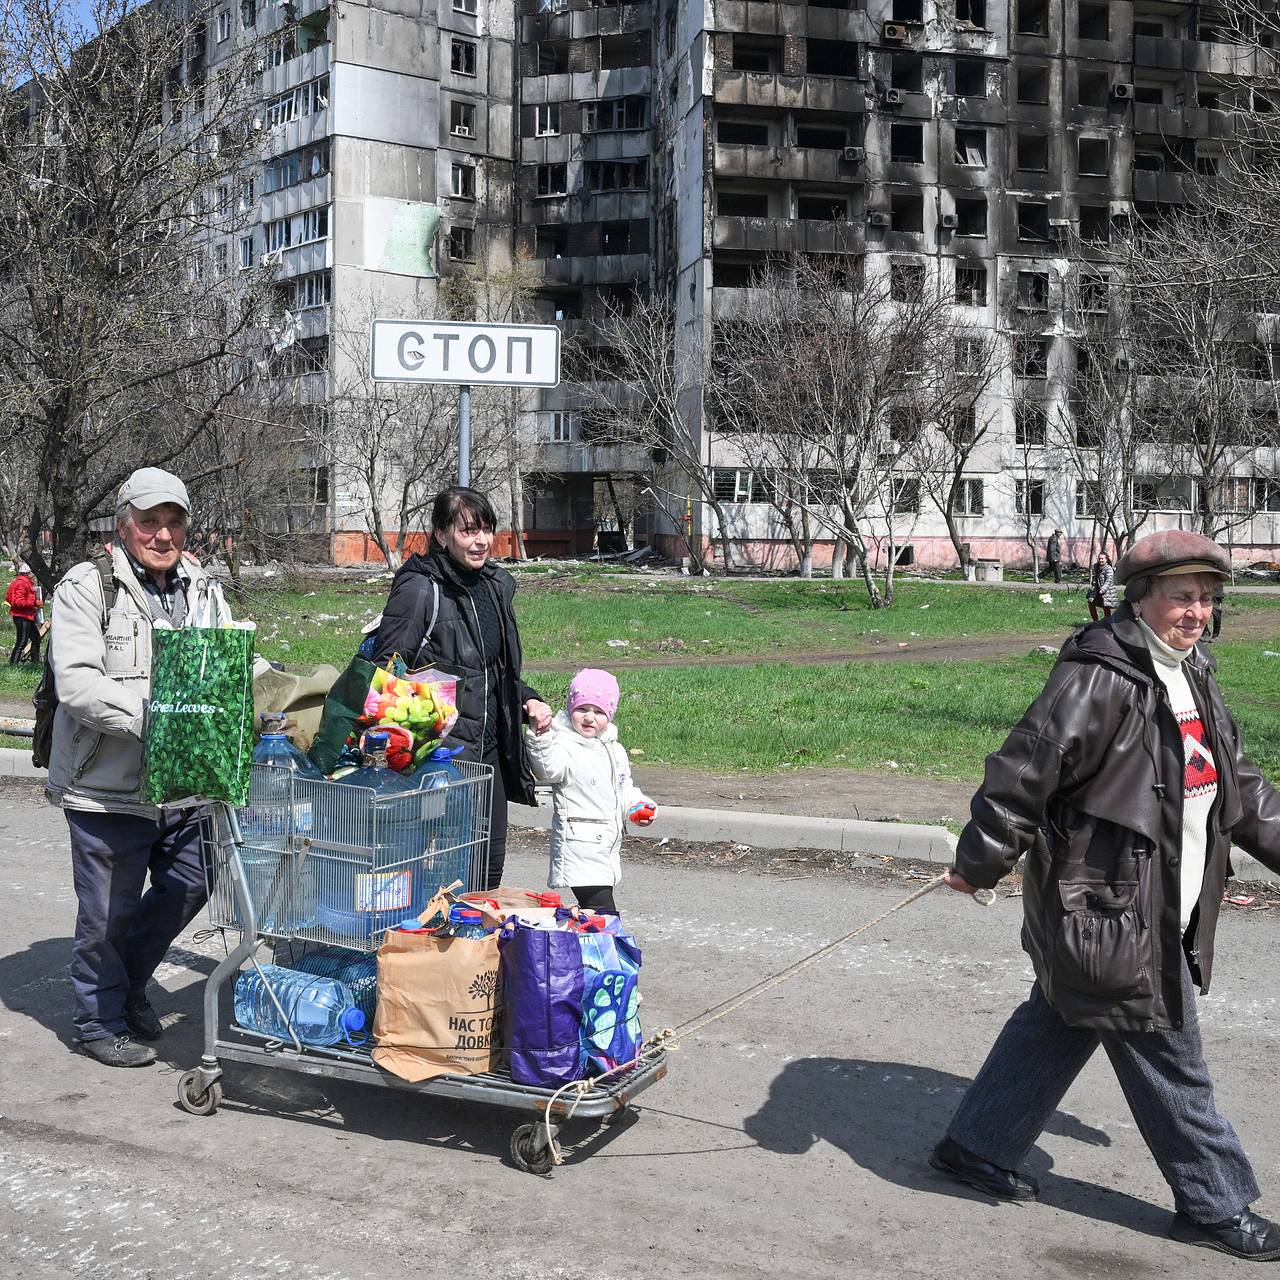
column 1200, row 772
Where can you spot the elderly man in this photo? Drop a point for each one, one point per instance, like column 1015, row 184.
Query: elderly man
column 100, row 655
column 1125, row 785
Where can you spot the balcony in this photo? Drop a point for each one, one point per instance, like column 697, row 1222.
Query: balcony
column 787, row 164
column 1157, row 188
column 786, row 235
column 594, row 459
column 1198, row 55
column 604, row 268
column 788, row 92
column 793, row 20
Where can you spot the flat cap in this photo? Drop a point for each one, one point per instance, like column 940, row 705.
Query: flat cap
column 151, row 487
column 1172, row 551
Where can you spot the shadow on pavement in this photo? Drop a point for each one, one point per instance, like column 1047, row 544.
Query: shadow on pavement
column 887, row 1117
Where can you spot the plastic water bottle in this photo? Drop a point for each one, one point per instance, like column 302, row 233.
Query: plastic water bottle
column 266, row 821
column 448, row 810
column 359, row 897
column 356, row 970
column 466, row 922
column 322, row 1011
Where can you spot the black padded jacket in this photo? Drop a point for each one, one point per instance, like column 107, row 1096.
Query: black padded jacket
column 454, row 645
column 1089, row 787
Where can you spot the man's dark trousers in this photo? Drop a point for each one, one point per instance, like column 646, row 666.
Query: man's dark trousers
column 122, row 932
column 1165, row 1081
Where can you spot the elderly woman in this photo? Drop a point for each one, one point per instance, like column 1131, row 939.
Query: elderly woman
column 1124, row 785
column 451, row 608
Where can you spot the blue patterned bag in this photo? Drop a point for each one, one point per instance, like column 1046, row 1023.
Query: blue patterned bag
column 610, row 999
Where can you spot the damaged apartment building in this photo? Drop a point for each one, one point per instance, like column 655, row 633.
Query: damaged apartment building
column 672, row 147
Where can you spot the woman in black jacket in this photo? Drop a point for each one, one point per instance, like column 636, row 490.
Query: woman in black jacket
column 451, row 609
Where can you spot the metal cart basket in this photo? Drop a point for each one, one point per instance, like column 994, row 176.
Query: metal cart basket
column 312, row 861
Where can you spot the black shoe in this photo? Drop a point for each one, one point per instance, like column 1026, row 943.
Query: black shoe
column 1247, row 1235
column 117, row 1051
column 143, row 1020
column 951, row 1158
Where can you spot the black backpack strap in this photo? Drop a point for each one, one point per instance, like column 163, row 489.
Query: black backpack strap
column 431, row 626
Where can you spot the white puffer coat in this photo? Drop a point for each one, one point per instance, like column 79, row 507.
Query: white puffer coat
column 592, row 790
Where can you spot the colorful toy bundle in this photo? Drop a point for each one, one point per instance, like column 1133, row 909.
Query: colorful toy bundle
column 415, row 711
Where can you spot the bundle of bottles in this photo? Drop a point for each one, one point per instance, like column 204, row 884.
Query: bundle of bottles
column 416, row 829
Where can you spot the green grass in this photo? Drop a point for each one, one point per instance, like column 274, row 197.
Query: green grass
column 934, row 719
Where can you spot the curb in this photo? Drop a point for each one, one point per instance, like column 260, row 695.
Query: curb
column 912, row 840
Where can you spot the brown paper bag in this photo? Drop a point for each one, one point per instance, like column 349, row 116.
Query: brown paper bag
column 439, row 1002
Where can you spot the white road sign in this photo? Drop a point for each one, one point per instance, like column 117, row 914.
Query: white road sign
column 505, row 355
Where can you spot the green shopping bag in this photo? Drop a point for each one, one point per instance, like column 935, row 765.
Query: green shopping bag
column 342, row 708
column 200, row 717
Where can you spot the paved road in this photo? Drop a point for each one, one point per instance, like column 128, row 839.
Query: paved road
column 788, row 1141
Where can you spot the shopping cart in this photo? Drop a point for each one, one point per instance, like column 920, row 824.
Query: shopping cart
column 312, row 861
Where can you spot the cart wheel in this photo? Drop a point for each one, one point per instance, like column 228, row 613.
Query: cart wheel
column 528, row 1152
column 195, row 1100
column 623, row 1118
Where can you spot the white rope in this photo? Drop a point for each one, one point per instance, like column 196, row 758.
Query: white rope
column 668, row 1038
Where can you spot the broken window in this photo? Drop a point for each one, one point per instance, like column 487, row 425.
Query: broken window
column 1033, row 151
column 811, row 135
column 1030, row 427
column 906, row 281
column 822, row 208
column 553, row 179
column 553, row 57
column 971, row 216
column 908, row 10
column 971, row 148
column 907, row 72
column 750, row 133
column 1093, row 22
column 1095, row 223
column 906, row 143
column 1033, row 290
column 1030, row 355
column 1094, row 156
column 615, row 237
column 756, row 54
column 971, row 78
column 1028, row 497
column 831, row 58
column 1033, row 18
column 742, row 204
column 1033, row 220
column 907, row 211
column 462, row 57
column 1093, row 88
column 550, row 242
column 971, row 289
column 973, row 12
column 1033, row 84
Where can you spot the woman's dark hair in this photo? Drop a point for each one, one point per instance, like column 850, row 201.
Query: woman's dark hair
column 458, row 504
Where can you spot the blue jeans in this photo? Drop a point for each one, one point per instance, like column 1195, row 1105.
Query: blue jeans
column 1034, row 1061
column 122, row 932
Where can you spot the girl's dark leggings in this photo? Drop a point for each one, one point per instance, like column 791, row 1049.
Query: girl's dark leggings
column 596, row 897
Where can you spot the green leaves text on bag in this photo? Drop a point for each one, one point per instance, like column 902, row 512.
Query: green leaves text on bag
column 200, row 718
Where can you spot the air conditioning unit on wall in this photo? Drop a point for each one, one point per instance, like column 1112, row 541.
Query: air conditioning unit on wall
column 877, row 219
column 1122, row 91
column 854, row 155
column 892, row 98
column 948, row 221
column 894, row 32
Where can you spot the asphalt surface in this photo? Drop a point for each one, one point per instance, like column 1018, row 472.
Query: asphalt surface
column 789, row 1140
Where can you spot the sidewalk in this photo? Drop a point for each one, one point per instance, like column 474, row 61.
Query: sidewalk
column 917, row 841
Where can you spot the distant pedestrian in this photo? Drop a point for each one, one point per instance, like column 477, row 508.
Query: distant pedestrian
column 1102, row 587
column 1216, row 626
column 1053, row 555
column 593, row 792
column 1125, row 785
column 23, row 601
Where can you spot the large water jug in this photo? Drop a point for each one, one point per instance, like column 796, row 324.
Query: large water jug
column 375, row 809
column 267, row 819
column 357, row 970
column 449, row 812
column 321, row 1011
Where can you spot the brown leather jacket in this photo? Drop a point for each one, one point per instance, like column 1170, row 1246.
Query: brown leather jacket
column 1089, row 787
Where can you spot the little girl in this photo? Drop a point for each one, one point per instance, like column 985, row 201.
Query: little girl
column 592, row 791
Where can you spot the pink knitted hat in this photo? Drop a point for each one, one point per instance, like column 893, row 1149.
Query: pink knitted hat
column 596, row 687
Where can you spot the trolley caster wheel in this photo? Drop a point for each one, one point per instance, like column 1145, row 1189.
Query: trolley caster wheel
column 528, row 1152
column 623, row 1118
column 195, row 1099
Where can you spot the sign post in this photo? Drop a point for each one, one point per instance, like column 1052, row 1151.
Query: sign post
column 465, row 355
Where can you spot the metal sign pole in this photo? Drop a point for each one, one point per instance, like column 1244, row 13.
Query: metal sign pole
column 464, row 435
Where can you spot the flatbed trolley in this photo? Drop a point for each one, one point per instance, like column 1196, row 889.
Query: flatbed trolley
column 313, row 861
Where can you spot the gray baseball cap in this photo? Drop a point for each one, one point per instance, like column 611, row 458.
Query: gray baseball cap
column 151, row 487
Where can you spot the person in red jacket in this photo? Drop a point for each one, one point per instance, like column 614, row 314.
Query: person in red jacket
column 23, row 602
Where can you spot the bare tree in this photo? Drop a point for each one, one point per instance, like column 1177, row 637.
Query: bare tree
column 846, row 383
column 646, row 379
column 122, row 330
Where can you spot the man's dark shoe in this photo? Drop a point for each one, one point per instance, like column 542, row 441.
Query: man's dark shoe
column 117, row 1051
column 143, row 1020
column 1247, row 1235
column 951, row 1158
